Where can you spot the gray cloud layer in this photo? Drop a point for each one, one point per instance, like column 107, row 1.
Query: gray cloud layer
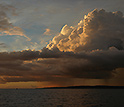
column 42, row 66
column 93, row 49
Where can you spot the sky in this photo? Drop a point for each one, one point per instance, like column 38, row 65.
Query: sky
column 61, row 43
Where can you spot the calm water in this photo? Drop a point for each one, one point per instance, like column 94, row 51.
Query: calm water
column 62, row 98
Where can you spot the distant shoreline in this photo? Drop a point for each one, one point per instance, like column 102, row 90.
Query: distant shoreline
column 72, row 87
column 85, row 87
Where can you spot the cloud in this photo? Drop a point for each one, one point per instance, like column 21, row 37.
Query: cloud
column 15, row 31
column 47, row 32
column 98, row 30
column 6, row 27
column 93, row 49
column 3, row 45
column 54, row 65
column 9, row 8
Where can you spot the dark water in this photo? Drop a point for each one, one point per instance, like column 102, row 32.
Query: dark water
column 62, row 98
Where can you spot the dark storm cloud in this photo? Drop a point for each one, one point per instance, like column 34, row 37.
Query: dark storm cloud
column 30, row 55
column 95, row 65
column 94, row 59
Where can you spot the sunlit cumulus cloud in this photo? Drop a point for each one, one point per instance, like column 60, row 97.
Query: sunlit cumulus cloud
column 98, row 30
column 6, row 27
column 93, row 49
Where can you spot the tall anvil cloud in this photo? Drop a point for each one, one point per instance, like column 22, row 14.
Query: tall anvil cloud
column 99, row 30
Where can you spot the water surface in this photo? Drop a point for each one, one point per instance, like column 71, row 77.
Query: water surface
column 62, row 98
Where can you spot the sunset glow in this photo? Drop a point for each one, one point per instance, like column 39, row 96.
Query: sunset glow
column 61, row 43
